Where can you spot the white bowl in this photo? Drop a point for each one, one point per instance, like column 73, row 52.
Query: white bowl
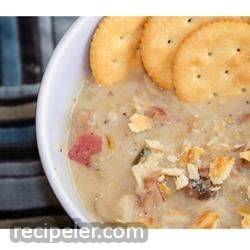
column 61, row 83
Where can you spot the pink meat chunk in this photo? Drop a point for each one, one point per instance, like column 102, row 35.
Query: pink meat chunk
column 85, row 146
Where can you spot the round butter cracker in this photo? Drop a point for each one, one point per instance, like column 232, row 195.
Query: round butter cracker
column 114, row 49
column 213, row 61
column 160, row 40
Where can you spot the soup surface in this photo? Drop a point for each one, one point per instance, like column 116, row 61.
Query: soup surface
column 138, row 154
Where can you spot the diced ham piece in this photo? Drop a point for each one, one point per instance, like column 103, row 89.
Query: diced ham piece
column 162, row 114
column 85, row 146
column 243, row 118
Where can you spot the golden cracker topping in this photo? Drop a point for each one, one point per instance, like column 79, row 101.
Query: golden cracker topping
column 139, row 123
column 208, row 220
column 245, row 155
column 218, row 63
column 245, row 223
column 220, row 169
column 244, row 210
column 191, row 155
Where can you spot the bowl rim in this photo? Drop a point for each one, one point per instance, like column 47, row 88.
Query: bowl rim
column 41, row 113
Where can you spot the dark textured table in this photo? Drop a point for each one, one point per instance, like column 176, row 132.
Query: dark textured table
column 26, row 198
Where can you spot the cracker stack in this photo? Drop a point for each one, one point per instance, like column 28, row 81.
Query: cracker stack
column 200, row 57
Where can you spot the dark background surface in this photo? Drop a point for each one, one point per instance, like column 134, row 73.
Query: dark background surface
column 26, row 198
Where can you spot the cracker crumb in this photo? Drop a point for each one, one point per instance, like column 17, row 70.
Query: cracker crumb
column 245, row 223
column 245, row 155
column 220, row 169
column 244, row 211
column 139, row 123
column 208, row 220
column 193, row 173
column 146, row 168
column 155, row 145
column 191, row 155
column 171, row 171
column 181, row 181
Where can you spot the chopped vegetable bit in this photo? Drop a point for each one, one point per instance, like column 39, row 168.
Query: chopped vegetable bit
column 208, row 220
column 110, row 142
column 164, row 190
column 139, row 123
column 141, row 157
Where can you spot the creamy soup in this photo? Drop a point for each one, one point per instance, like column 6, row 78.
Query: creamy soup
column 138, row 154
